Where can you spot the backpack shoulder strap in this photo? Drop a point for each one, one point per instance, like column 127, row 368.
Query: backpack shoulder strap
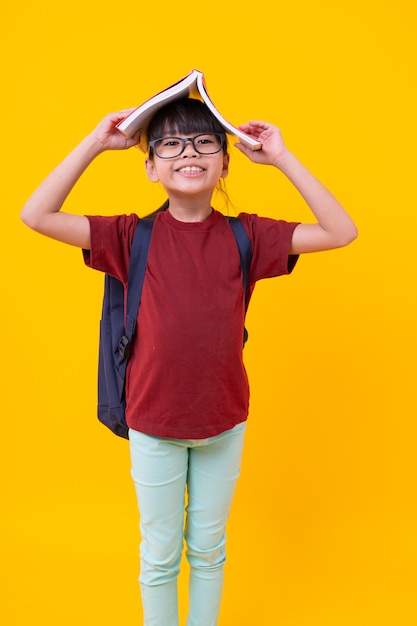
column 245, row 251
column 137, row 268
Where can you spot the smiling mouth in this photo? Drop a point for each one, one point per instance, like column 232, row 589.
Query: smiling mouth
column 191, row 170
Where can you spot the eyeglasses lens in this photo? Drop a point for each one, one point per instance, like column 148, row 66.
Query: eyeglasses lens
column 170, row 147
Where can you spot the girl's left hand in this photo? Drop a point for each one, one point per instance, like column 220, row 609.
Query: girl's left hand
column 273, row 148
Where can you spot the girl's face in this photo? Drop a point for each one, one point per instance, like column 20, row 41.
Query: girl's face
column 189, row 173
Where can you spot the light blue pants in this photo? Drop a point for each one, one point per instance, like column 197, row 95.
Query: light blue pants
column 164, row 470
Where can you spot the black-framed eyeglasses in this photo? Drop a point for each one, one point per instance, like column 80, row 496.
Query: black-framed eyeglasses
column 171, row 147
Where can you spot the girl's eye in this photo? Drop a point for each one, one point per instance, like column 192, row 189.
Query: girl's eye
column 170, row 142
column 209, row 141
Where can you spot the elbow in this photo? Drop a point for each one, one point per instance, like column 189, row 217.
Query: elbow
column 351, row 235
column 347, row 236
column 25, row 217
column 29, row 219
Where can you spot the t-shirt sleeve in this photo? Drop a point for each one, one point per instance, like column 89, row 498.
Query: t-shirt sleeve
column 271, row 244
column 110, row 244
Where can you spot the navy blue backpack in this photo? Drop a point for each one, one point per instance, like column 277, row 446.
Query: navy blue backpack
column 116, row 337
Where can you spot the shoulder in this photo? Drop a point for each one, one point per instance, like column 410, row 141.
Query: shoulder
column 105, row 228
column 266, row 227
column 111, row 243
column 114, row 221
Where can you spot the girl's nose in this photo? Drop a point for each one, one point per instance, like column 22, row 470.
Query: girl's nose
column 189, row 149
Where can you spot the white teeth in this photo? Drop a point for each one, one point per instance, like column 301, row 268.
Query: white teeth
column 191, row 170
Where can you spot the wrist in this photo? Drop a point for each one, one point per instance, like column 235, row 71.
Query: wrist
column 283, row 160
column 92, row 146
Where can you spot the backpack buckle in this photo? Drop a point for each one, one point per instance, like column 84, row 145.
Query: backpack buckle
column 123, row 346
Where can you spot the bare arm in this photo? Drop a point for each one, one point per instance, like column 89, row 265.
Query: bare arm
column 42, row 211
column 334, row 227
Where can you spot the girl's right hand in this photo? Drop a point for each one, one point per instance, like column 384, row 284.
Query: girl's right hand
column 109, row 137
column 42, row 211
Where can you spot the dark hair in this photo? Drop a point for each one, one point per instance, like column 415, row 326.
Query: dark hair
column 183, row 116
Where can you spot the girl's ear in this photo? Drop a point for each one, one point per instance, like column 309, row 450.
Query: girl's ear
column 225, row 169
column 151, row 170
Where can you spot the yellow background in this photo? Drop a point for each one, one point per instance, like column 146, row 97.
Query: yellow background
column 323, row 528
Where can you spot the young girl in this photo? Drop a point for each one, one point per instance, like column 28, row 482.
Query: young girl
column 186, row 390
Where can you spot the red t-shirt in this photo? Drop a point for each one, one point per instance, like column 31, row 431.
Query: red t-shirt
column 186, row 378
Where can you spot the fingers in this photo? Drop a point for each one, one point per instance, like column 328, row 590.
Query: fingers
column 259, row 130
column 255, row 125
column 241, row 147
column 253, row 155
column 134, row 140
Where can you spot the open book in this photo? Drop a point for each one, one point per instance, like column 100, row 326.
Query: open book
column 192, row 85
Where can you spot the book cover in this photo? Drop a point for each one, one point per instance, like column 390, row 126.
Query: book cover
column 192, row 85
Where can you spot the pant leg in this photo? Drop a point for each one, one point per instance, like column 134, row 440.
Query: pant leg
column 159, row 471
column 214, row 467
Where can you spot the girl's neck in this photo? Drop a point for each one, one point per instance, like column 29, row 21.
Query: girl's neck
column 189, row 211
